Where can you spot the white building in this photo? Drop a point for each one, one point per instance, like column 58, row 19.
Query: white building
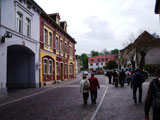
column 19, row 44
column 97, row 62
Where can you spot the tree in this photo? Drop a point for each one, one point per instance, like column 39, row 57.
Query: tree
column 84, row 61
column 112, row 65
column 104, row 52
column 94, row 53
column 115, row 51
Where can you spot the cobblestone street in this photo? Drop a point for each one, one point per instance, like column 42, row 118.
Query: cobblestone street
column 63, row 101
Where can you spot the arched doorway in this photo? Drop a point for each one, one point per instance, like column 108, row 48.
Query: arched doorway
column 20, row 67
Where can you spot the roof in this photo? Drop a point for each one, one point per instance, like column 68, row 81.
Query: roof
column 106, row 58
column 157, row 7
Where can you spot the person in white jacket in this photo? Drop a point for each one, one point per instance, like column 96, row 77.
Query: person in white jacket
column 84, row 89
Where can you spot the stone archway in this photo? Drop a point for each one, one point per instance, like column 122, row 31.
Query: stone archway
column 20, row 67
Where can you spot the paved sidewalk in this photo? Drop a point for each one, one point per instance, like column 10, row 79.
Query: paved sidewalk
column 25, row 93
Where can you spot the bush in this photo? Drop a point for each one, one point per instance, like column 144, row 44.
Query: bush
column 151, row 68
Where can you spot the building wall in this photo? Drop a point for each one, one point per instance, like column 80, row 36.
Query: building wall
column 95, row 66
column 8, row 23
column 153, row 56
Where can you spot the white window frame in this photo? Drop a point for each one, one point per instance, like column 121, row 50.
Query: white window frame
column 19, row 22
column 28, row 27
column 50, row 43
column 50, row 66
column 45, row 64
column 57, row 44
column 45, row 36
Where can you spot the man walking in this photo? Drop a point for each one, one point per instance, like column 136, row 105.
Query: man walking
column 136, row 82
column 153, row 98
column 94, row 84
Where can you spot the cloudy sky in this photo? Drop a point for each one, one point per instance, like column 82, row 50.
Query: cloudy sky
column 99, row 24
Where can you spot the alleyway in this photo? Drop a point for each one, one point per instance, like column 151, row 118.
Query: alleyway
column 64, row 102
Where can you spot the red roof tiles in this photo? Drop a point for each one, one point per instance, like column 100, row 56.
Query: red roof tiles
column 101, row 58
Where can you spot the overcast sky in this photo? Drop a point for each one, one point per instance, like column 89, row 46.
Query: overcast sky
column 99, row 24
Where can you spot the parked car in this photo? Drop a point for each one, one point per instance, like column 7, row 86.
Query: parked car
column 85, row 72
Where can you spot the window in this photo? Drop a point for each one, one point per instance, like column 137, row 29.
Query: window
column 65, row 47
column 70, row 51
column 50, row 39
column 45, row 37
column 61, row 45
column 102, row 59
column 57, row 68
column 66, row 69
column 101, row 63
column 57, row 39
column 96, row 63
column 45, row 66
column 71, row 69
column 50, row 67
column 19, row 22
column 91, row 64
column 27, row 27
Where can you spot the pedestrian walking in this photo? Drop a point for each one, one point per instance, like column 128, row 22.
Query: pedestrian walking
column 153, row 98
column 122, row 77
column 94, row 84
column 128, row 76
column 136, row 83
column 109, row 75
column 115, row 78
column 84, row 89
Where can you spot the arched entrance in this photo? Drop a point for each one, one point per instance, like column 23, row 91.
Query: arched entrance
column 20, row 67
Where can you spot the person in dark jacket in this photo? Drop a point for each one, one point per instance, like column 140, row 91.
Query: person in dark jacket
column 151, row 94
column 94, row 84
column 109, row 75
column 136, row 83
column 122, row 77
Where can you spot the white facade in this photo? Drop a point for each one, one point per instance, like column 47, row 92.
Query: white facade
column 97, row 65
column 19, row 55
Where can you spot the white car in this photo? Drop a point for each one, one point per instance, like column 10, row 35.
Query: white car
column 85, row 72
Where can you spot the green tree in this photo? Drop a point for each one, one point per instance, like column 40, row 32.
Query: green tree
column 115, row 51
column 94, row 53
column 112, row 65
column 84, row 61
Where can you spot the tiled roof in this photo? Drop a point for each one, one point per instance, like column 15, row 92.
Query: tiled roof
column 101, row 58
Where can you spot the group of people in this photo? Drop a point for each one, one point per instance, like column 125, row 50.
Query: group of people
column 89, row 85
column 134, row 79
column 119, row 77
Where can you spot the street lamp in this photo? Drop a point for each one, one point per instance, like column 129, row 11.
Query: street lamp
column 6, row 35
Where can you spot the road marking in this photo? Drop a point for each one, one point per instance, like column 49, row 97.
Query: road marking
column 94, row 115
column 79, row 86
column 34, row 94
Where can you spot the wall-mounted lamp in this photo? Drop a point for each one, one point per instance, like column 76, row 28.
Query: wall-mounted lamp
column 6, row 35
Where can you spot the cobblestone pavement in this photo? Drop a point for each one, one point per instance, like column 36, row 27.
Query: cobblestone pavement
column 64, row 102
column 119, row 105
